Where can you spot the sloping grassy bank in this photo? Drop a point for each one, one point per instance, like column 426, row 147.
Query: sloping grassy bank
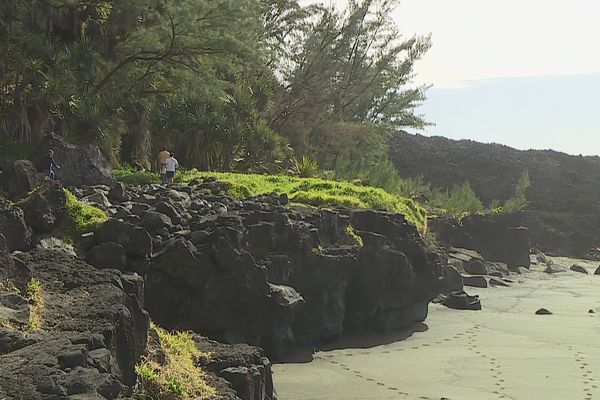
column 311, row 191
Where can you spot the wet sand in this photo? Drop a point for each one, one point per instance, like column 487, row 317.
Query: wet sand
column 501, row 352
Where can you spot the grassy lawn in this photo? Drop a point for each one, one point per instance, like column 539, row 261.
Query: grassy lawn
column 311, row 191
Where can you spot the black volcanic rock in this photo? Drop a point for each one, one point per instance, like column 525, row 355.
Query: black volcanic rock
column 563, row 212
column 45, row 207
column 80, row 164
column 87, row 317
column 19, row 177
column 497, row 237
column 17, row 235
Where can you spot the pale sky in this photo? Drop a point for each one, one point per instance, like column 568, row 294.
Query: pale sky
column 488, row 39
column 525, row 73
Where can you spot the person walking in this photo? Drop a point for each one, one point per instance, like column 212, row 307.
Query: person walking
column 49, row 164
column 171, row 167
column 162, row 164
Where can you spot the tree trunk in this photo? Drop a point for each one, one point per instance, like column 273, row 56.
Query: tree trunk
column 141, row 142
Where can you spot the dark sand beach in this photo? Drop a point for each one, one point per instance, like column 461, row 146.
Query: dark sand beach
column 504, row 351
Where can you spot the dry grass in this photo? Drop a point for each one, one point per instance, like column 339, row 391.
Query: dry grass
column 179, row 378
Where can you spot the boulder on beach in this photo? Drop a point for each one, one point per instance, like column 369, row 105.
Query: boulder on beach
column 597, row 272
column 554, row 269
column 452, row 279
column 498, row 282
column 460, row 300
column 475, row 281
column 579, row 268
column 543, row 311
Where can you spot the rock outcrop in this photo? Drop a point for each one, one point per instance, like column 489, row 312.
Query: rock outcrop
column 69, row 330
column 19, row 177
column 88, row 333
column 80, row 164
column 260, row 272
column 13, row 227
column 497, row 237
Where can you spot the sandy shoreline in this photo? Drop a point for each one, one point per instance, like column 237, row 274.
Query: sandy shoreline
column 501, row 352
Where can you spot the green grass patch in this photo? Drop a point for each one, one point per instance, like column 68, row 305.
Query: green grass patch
column 132, row 176
column 179, row 378
column 311, row 191
column 36, row 301
column 80, row 218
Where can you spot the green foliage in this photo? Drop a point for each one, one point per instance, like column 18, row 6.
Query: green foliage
column 519, row 201
column 130, row 175
column 311, row 191
column 460, row 200
column 179, row 377
column 80, row 218
column 306, row 167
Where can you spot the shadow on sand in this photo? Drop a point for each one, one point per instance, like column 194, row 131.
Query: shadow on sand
column 355, row 341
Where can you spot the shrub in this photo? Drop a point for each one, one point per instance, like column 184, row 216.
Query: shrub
column 458, row 201
column 518, row 202
column 305, row 168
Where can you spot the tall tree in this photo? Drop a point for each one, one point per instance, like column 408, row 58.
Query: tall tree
column 354, row 67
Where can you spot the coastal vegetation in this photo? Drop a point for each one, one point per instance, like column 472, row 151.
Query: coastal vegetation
column 80, row 218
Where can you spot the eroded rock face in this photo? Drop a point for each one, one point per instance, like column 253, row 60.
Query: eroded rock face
column 93, row 331
column 19, row 178
column 497, row 237
column 14, row 228
column 45, row 207
column 245, row 367
column 259, row 272
column 80, row 165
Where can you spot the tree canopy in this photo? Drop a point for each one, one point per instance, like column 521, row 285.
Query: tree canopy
column 229, row 85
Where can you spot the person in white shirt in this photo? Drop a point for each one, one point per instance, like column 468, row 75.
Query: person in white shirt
column 171, row 166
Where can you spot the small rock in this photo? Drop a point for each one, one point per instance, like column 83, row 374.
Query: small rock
column 597, row 272
column 497, row 282
column 72, row 359
column 591, row 311
column 462, row 301
column 14, row 308
column 453, row 281
column 476, row 267
column 117, row 192
column 475, row 281
column 107, row 255
column 543, row 311
column 579, row 268
column 554, row 269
